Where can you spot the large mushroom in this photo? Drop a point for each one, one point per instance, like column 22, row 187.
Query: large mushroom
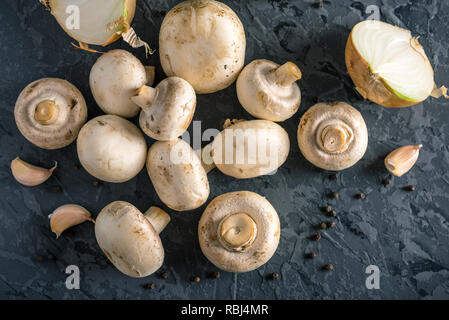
column 203, row 42
column 268, row 91
column 332, row 136
column 114, row 79
column 177, row 175
column 239, row 231
column 167, row 109
column 131, row 239
column 50, row 112
column 111, row 148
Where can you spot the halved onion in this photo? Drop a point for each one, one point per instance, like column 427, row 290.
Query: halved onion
column 101, row 22
column 388, row 66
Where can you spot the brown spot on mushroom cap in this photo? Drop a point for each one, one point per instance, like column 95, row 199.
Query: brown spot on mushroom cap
column 135, row 248
column 67, row 122
column 337, row 116
column 267, row 237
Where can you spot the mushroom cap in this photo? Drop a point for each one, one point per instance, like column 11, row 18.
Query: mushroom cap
column 203, row 42
column 111, row 148
column 67, row 120
column 171, row 112
column 129, row 240
column 263, row 98
column 177, row 175
column 250, row 149
column 265, row 243
column 114, row 79
column 317, row 127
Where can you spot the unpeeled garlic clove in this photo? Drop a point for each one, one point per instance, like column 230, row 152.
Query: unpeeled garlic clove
column 67, row 216
column 401, row 160
column 28, row 174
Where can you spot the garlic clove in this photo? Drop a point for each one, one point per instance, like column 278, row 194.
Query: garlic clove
column 28, row 174
column 401, row 160
column 67, row 216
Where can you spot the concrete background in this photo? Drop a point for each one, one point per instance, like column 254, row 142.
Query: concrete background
column 406, row 234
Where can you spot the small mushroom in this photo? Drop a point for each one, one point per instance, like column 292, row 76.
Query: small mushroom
column 177, row 175
column 249, row 149
column 268, row 91
column 131, row 239
column 111, row 148
column 167, row 109
column 203, row 42
column 50, row 112
column 114, row 79
column 332, row 136
column 239, row 231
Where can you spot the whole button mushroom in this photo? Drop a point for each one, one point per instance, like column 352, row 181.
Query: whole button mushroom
column 250, row 149
column 177, row 175
column 50, row 112
column 114, row 79
column 111, row 148
column 268, row 91
column 131, row 239
column 203, row 42
column 167, row 109
column 239, row 231
column 332, row 136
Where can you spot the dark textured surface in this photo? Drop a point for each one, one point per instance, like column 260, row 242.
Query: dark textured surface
column 406, row 234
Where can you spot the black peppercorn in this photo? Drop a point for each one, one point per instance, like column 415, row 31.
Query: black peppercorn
column 333, row 176
column 196, row 279
column 311, row 255
column 318, row 5
column 96, row 183
column 327, row 209
column 386, row 181
column 322, row 225
column 360, row 195
column 410, row 188
column 274, row 276
column 215, row 275
column 331, row 224
column 333, row 213
column 328, row 267
column 149, row 286
column 335, row 195
column 164, row 275
column 316, row 237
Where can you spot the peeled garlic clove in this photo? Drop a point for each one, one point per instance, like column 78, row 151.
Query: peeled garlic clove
column 67, row 216
column 401, row 160
column 30, row 175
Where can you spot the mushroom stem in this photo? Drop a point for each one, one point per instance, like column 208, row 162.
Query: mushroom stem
column 285, row 75
column 237, row 232
column 158, row 218
column 46, row 112
column 206, row 158
column 334, row 138
column 144, row 97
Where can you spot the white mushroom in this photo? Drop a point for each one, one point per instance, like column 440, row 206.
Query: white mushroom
column 131, row 239
column 203, row 42
column 167, row 109
column 114, row 79
column 250, row 149
column 268, row 91
column 332, row 136
column 111, row 148
column 50, row 112
column 239, row 231
column 177, row 175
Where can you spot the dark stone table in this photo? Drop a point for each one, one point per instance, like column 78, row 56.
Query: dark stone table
column 405, row 234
